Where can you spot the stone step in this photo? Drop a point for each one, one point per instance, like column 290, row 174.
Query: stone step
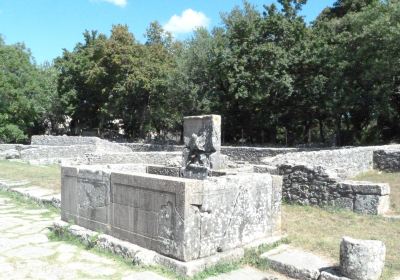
column 297, row 263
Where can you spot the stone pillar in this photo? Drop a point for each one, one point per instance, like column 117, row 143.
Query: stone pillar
column 202, row 152
column 362, row 259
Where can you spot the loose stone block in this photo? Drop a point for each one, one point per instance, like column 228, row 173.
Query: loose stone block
column 362, row 259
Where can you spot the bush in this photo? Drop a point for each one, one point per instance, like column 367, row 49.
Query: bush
column 10, row 133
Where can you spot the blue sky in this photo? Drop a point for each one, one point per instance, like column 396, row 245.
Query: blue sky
column 48, row 26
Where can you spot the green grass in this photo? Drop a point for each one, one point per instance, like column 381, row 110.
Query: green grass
column 393, row 179
column 44, row 176
column 320, row 231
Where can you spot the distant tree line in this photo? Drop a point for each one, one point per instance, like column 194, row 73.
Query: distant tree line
column 272, row 77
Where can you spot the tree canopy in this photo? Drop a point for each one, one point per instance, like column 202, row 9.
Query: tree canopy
column 273, row 78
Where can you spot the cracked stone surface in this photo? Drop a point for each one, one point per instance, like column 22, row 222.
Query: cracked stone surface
column 27, row 253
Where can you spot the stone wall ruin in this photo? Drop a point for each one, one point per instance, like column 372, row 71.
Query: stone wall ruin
column 177, row 217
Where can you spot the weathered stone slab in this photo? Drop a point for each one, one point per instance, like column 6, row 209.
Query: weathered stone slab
column 296, row 263
column 362, row 259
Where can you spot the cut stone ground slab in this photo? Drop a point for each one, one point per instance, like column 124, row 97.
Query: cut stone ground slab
column 297, row 263
column 31, row 255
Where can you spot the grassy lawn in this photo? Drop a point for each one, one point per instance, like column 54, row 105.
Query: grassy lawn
column 320, row 231
column 43, row 176
column 393, row 179
column 311, row 228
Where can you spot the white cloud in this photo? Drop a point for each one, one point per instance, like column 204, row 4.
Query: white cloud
column 186, row 22
column 119, row 3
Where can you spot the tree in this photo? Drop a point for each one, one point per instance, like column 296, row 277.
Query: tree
column 24, row 98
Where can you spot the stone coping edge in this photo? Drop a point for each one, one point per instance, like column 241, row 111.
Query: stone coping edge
column 53, row 200
column 143, row 256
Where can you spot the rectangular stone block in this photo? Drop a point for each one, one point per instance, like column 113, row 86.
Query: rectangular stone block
column 69, row 194
column 207, row 127
column 371, row 204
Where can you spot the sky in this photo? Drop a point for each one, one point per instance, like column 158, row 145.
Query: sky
column 49, row 26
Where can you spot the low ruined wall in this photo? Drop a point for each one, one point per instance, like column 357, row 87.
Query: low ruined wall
column 388, row 160
column 253, row 154
column 308, row 185
column 62, row 141
column 56, row 152
column 48, row 140
column 141, row 147
column 346, row 162
column 181, row 218
column 161, row 158
column 249, row 154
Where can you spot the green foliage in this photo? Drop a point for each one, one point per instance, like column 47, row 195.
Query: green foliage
column 271, row 76
column 105, row 79
column 25, row 94
column 11, row 133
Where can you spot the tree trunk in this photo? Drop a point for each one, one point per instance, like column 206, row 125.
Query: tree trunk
column 339, row 130
column 321, row 131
